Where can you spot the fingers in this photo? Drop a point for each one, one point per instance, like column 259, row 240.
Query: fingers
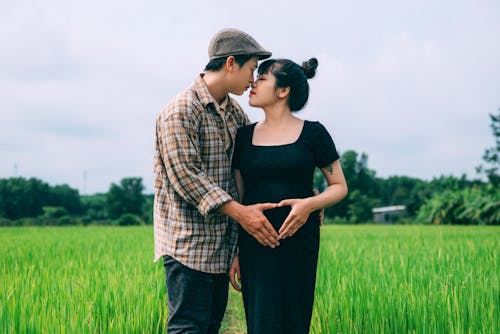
column 289, row 231
column 234, row 278
column 235, row 274
column 257, row 225
column 285, row 202
column 291, row 225
column 266, row 206
column 285, row 225
column 267, row 235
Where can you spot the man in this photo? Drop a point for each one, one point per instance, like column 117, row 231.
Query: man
column 195, row 194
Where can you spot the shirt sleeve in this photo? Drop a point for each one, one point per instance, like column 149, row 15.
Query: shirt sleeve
column 325, row 151
column 177, row 137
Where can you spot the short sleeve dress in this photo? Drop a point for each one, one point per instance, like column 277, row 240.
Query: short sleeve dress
column 278, row 284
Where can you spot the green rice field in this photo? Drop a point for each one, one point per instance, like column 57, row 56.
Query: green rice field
column 371, row 279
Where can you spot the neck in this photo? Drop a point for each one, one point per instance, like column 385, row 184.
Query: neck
column 277, row 115
column 216, row 85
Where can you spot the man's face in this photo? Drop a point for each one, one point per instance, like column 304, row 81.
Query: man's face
column 242, row 77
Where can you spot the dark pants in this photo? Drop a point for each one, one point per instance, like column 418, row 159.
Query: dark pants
column 196, row 300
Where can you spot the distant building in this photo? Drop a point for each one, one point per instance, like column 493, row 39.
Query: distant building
column 388, row 214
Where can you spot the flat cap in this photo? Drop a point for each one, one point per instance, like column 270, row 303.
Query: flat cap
column 233, row 42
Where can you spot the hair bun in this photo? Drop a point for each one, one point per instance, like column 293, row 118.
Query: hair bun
column 309, row 67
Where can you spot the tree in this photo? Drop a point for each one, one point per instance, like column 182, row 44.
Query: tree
column 491, row 155
column 125, row 197
column 475, row 205
column 360, row 207
column 66, row 197
column 94, row 207
column 319, row 181
column 358, row 177
column 404, row 190
column 20, row 197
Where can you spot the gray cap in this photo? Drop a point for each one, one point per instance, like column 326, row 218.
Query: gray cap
column 233, row 42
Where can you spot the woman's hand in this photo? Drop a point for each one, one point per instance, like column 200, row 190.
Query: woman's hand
column 234, row 274
column 297, row 217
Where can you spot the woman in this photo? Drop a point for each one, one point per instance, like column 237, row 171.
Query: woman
column 274, row 162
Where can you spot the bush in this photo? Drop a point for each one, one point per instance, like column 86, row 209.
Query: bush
column 339, row 221
column 54, row 212
column 6, row 222
column 468, row 206
column 129, row 219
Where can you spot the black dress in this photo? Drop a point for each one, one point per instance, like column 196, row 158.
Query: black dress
column 278, row 284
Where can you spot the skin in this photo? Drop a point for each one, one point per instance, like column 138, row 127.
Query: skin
column 236, row 80
column 281, row 127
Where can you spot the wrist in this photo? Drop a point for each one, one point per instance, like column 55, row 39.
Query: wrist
column 311, row 204
column 232, row 209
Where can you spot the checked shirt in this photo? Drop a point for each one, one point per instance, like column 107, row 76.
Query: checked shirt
column 193, row 178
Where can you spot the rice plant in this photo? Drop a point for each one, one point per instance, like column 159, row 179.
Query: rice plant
column 371, row 279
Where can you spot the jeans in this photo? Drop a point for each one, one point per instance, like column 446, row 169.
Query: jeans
column 196, row 300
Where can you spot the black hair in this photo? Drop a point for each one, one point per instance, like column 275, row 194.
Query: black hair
column 290, row 74
column 217, row 63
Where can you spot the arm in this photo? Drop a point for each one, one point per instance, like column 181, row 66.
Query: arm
column 322, row 211
column 177, row 139
column 302, row 208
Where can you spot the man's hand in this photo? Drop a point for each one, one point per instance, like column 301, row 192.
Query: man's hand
column 235, row 274
column 253, row 220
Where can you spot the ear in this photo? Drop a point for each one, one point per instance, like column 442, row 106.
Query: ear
column 283, row 92
column 230, row 64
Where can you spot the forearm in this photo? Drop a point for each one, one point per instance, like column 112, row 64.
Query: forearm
column 331, row 196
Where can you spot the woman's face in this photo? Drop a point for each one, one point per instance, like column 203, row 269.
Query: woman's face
column 263, row 91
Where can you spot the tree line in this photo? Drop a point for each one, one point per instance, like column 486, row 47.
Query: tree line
column 34, row 202
column 443, row 200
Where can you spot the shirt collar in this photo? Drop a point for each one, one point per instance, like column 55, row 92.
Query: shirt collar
column 224, row 103
column 204, row 95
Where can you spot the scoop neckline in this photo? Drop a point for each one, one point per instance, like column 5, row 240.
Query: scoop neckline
column 280, row 145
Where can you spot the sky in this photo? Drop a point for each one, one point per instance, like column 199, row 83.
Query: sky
column 408, row 82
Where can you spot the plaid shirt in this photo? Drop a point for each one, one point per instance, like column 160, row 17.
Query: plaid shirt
column 193, row 178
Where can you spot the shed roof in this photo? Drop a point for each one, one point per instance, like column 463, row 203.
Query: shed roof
column 389, row 208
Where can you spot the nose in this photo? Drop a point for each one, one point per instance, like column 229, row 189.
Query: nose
column 253, row 85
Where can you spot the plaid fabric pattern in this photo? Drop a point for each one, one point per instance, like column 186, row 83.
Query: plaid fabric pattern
column 193, row 179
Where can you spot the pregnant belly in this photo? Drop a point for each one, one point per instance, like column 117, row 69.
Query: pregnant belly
column 273, row 193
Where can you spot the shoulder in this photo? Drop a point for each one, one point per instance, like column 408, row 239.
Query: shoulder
column 185, row 105
column 315, row 126
column 316, row 129
column 246, row 129
column 316, row 134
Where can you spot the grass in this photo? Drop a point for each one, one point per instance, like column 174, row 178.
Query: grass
column 408, row 279
column 371, row 279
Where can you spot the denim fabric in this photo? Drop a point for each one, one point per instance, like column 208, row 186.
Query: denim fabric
column 196, row 300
